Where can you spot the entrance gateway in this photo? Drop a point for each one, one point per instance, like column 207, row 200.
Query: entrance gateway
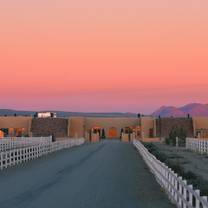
column 96, row 128
column 98, row 132
column 103, row 133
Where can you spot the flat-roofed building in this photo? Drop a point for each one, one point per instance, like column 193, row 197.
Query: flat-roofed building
column 200, row 125
column 45, row 115
column 15, row 126
column 144, row 127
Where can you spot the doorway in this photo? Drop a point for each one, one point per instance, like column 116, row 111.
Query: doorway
column 113, row 133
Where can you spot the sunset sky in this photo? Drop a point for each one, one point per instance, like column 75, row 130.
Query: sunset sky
column 129, row 56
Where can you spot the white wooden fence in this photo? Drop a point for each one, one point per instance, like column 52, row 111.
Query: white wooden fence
column 197, row 145
column 181, row 194
column 16, row 156
column 17, row 142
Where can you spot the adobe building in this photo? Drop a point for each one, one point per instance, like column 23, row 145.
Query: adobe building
column 111, row 128
column 18, row 126
column 200, row 126
column 76, row 127
column 15, row 126
column 94, row 128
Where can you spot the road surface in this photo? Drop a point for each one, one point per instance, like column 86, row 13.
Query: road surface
column 109, row 174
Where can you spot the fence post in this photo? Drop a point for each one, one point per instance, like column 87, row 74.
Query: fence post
column 183, row 195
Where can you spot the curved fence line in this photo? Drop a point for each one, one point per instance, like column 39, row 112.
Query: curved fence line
column 180, row 193
column 197, row 145
column 21, row 155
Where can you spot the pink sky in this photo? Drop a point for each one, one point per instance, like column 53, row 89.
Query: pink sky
column 103, row 56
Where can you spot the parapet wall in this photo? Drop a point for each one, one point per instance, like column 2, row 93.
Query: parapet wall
column 16, row 122
column 76, row 127
column 148, row 123
column 50, row 126
column 165, row 125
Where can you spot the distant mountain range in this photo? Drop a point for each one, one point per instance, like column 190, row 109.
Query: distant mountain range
column 10, row 112
column 193, row 109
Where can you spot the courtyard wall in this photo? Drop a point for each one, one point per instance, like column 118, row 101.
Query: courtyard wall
column 49, row 126
column 165, row 125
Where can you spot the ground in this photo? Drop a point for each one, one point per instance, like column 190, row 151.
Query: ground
column 109, row 174
column 191, row 162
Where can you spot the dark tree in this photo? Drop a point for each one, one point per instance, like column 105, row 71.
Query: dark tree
column 176, row 132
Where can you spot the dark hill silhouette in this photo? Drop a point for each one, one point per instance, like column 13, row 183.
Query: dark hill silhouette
column 193, row 109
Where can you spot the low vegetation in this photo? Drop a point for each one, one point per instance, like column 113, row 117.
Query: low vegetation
column 176, row 163
column 179, row 133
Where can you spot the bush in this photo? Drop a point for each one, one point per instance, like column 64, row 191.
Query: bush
column 177, row 167
column 176, row 132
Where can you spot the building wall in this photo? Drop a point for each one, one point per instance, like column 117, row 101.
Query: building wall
column 165, row 125
column 79, row 125
column 50, row 126
column 16, row 122
column 76, row 127
column 108, row 123
column 1, row 134
column 147, row 123
column 111, row 122
column 200, row 123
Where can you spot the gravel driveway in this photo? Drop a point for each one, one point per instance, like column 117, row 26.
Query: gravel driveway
column 109, row 174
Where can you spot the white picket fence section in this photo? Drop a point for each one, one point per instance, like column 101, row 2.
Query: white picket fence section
column 181, row 194
column 17, row 142
column 197, row 145
column 21, row 155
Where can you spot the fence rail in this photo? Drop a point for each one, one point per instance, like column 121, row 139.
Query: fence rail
column 180, row 193
column 197, row 145
column 21, row 155
column 18, row 142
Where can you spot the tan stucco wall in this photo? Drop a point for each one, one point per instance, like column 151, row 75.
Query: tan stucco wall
column 147, row 123
column 125, row 138
column 107, row 123
column 79, row 125
column 69, row 126
column 151, row 140
column 200, row 123
column 16, row 122
column 76, row 127
column 119, row 123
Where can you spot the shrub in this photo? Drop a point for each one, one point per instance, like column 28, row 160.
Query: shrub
column 176, row 132
column 177, row 166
